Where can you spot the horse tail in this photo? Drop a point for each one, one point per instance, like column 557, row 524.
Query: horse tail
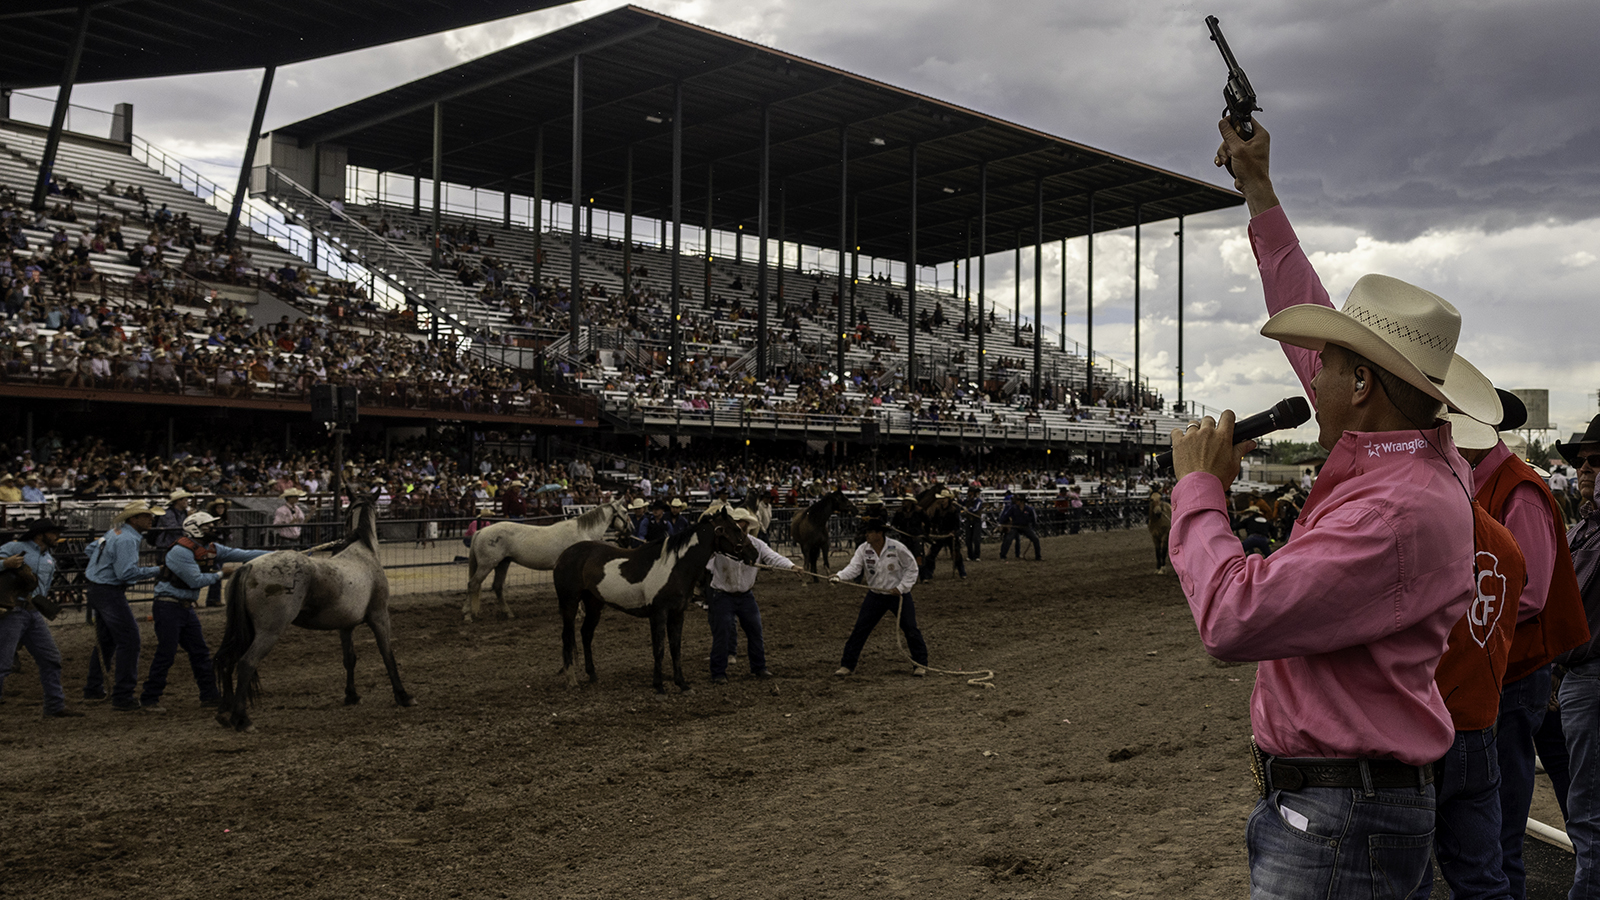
column 238, row 633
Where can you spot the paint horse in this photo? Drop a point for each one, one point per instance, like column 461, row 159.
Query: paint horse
column 534, row 546
column 1159, row 521
column 810, row 528
column 268, row 594
column 653, row 582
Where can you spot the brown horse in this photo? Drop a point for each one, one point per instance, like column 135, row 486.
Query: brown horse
column 1160, row 524
column 809, row 529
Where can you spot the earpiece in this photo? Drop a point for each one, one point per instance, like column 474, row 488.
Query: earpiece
column 1360, row 385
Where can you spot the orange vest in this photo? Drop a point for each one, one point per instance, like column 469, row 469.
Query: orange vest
column 1561, row 625
column 1474, row 662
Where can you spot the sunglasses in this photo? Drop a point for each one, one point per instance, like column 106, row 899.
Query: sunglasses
column 1592, row 461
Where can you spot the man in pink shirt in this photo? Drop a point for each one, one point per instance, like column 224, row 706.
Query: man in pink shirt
column 1349, row 618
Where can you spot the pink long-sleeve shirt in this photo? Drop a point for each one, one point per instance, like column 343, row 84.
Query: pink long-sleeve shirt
column 1349, row 618
column 1528, row 519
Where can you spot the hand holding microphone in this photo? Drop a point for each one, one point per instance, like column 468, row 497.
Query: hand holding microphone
column 1217, row 446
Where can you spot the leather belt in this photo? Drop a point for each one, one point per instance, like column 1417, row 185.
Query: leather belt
column 1294, row 773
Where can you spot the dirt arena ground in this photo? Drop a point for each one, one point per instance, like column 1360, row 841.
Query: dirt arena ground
column 1108, row 760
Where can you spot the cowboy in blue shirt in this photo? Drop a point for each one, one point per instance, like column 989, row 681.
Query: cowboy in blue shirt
column 24, row 625
column 190, row 566
column 677, row 521
column 1021, row 517
column 113, row 568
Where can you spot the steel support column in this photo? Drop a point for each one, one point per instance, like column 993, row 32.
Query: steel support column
column 706, row 252
column 966, row 301
column 1089, row 311
column 575, row 287
column 538, row 208
column 1138, row 222
column 58, row 118
column 783, row 234
column 627, row 227
column 844, row 234
column 1063, row 295
column 438, row 174
column 505, row 219
column 983, row 260
column 416, row 194
column 1180, row 310
column 676, row 351
column 1016, row 287
column 254, row 138
column 911, row 281
column 1038, row 284
column 764, row 182
column 855, row 254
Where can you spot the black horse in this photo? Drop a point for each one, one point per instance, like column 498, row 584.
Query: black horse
column 653, row 581
column 810, row 528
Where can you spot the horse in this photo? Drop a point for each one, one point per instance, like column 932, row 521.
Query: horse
column 810, row 528
column 653, row 581
column 1159, row 522
column 534, row 546
column 271, row 592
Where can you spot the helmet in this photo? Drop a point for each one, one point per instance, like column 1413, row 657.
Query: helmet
column 198, row 525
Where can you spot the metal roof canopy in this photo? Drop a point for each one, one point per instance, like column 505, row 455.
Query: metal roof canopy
column 151, row 38
column 493, row 107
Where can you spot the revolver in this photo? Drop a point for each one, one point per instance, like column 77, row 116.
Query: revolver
column 1240, row 96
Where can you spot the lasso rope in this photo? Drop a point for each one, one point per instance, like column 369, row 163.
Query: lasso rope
column 985, row 676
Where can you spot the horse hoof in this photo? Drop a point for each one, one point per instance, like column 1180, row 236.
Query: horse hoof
column 223, row 720
column 248, row 729
column 351, row 699
column 466, row 618
column 407, row 700
column 507, row 615
column 685, row 687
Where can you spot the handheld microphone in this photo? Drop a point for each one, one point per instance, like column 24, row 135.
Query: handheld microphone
column 1291, row 412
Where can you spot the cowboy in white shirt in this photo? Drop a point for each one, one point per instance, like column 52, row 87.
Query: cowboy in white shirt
column 891, row 573
column 732, row 598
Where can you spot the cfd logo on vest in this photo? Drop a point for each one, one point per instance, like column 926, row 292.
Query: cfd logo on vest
column 1490, row 603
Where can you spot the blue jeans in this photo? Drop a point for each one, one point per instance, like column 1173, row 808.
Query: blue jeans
column 1522, row 707
column 29, row 629
column 178, row 626
column 116, row 636
column 1467, row 842
column 1015, row 535
column 724, row 610
column 1580, row 720
column 974, row 530
column 873, row 608
column 1356, row 844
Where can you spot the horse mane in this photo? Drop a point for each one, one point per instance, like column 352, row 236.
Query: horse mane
column 594, row 515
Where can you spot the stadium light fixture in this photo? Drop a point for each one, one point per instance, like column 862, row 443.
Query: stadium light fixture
column 653, row 120
column 949, row 190
column 877, row 142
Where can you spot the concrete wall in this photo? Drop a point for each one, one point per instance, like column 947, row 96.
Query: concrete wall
column 285, row 154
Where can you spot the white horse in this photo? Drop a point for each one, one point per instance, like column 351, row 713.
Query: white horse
column 534, row 546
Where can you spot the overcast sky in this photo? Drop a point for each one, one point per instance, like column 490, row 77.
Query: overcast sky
column 1452, row 144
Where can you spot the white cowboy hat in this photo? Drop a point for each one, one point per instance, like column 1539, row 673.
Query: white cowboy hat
column 136, row 508
column 1470, row 434
column 946, row 494
column 740, row 514
column 179, row 494
column 293, row 492
column 638, row 503
column 1403, row 329
column 677, row 503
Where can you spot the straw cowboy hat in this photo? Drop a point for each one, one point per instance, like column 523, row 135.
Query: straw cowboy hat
column 179, row 494
column 677, row 503
column 744, row 516
column 873, row 499
column 946, row 494
column 1569, row 450
column 1470, row 434
column 1407, row 331
column 136, row 508
column 638, row 503
column 292, row 492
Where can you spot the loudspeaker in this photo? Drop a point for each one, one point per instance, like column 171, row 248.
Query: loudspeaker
column 335, row 404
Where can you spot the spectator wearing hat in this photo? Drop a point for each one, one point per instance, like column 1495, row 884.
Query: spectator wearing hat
column 732, row 599
column 190, row 565
column 512, row 504
column 169, row 527
column 972, row 520
column 1019, row 521
column 1580, row 688
column 944, row 528
column 653, row 526
column 23, row 625
column 31, row 491
column 9, row 491
column 890, row 571
column 678, row 519
column 288, row 518
column 113, row 568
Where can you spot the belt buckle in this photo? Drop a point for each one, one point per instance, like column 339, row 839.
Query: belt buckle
column 1258, row 767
